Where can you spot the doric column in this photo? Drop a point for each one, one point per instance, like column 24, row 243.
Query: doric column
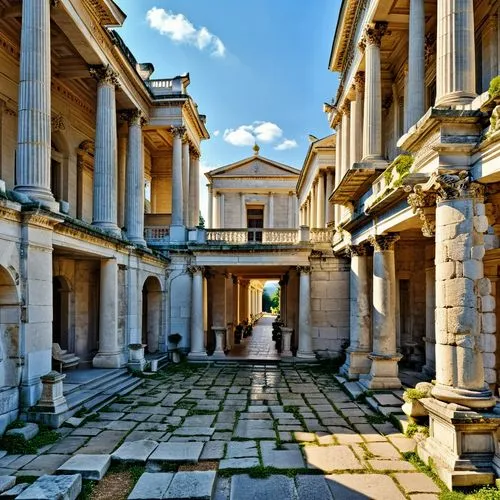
column 194, row 189
column 320, row 202
column 197, row 349
column 372, row 120
column 106, row 157
column 357, row 361
column 465, row 307
column 34, row 124
column 416, row 63
column 312, row 206
column 305, row 338
column 134, row 210
column 185, row 182
column 328, row 205
column 357, row 118
column 384, row 368
column 455, row 53
column 109, row 351
column 177, row 177
column 210, row 221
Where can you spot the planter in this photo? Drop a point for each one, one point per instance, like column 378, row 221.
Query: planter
column 136, row 352
column 414, row 409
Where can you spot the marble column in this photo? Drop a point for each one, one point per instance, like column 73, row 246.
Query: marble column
column 305, row 338
column 372, row 119
column 465, row 307
column 416, row 63
column 357, row 118
column 197, row 349
column 194, row 189
column 430, row 335
column 105, row 200
column 109, row 355
column 33, row 159
column 222, row 219
column 134, row 210
column 328, row 205
column 177, row 176
column 346, row 139
column 210, row 223
column 455, row 53
column 122, row 174
column 270, row 218
column 216, row 211
column 243, row 211
column 384, row 368
column 312, row 206
column 186, row 195
column 357, row 361
column 320, row 209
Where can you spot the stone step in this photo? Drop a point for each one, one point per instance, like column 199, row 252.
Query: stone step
column 54, row 487
column 97, row 380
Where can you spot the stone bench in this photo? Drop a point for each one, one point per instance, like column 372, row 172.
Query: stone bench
column 64, row 358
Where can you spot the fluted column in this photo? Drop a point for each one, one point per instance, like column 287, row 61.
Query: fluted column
column 109, row 350
column 416, row 63
column 357, row 361
column 328, row 205
column 105, row 200
column 134, row 209
column 372, row 126
column 34, row 125
column 312, row 206
column 305, row 338
column 210, row 223
column 197, row 349
column 122, row 175
column 194, row 189
column 320, row 214
column 186, row 166
column 216, row 209
column 346, row 138
column 357, row 118
column 177, row 177
column 384, row 368
column 455, row 53
column 270, row 219
column 222, row 219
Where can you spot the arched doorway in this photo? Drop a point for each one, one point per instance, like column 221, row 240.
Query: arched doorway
column 10, row 312
column 151, row 314
column 61, row 313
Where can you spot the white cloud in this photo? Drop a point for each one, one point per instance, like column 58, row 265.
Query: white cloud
column 248, row 135
column 180, row 30
column 286, row 144
column 216, row 133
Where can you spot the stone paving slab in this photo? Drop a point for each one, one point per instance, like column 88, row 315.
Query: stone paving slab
column 390, row 465
column 383, row 450
column 44, row 464
column 105, row 442
column 250, row 429
column 151, row 486
column 312, row 487
column 276, row 487
column 53, row 488
column 363, row 487
column 331, row 458
column 7, row 482
column 193, row 485
column 176, row 452
column 194, row 431
column 135, row 451
column 89, row 466
column 239, row 463
column 14, row 492
column 288, row 456
column 417, row 482
column 213, row 450
column 241, row 449
column 387, row 400
column 28, row 431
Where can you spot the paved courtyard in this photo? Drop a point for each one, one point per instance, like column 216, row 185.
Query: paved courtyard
column 246, row 422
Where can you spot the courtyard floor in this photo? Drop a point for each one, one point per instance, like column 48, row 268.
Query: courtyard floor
column 248, row 432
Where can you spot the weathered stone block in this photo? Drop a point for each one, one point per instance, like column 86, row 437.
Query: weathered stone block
column 484, row 287
column 451, row 214
column 473, row 269
column 460, row 247
column 481, row 223
column 488, row 342
column 489, row 322
column 489, row 360
column 477, row 252
column 89, row 466
column 459, row 291
column 490, row 375
column 445, row 271
column 462, row 320
column 53, row 488
column 29, row 431
column 488, row 304
column 480, row 208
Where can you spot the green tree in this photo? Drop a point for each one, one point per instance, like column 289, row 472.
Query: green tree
column 266, row 301
column 275, row 300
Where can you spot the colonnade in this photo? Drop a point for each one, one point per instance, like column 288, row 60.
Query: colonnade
column 316, row 211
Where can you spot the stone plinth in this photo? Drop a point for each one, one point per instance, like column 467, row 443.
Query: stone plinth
column 52, row 400
column 136, row 359
column 220, row 335
column 461, row 444
column 287, row 340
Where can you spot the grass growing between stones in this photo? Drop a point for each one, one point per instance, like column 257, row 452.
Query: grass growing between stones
column 17, row 445
column 376, row 419
column 116, row 484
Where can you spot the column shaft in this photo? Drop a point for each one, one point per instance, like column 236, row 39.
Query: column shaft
column 185, row 183
column 194, row 190
column 33, row 161
column 455, row 53
column 197, row 334
column 357, row 119
column 271, row 211
column 328, row 205
column 222, row 219
column 305, row 339
column 210, row 221
column 134, row 212
column 320, row 214
column 122, row 176
column 106, row 154
column 312, row 207
column 416, row 63
column 430, row 334
column 177, row 189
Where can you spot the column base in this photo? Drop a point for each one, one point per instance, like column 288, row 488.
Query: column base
column 109, row 227
column 357, row 363
column 461, row 444
column 383, row 372
column 198, row 356
column 177, row 234
column 39, row 195
column 470, row 399
column 140, row 242
column 107, row 360
column 306, row 355
column 455, row 99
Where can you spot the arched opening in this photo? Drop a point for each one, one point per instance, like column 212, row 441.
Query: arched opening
column 61, row 312
column 151, row 314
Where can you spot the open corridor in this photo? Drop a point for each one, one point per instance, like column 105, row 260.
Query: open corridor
column 294, row 428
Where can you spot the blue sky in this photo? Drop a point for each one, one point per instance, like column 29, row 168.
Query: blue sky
column 258, row 68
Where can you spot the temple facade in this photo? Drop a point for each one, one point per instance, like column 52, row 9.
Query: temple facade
column 415, row 205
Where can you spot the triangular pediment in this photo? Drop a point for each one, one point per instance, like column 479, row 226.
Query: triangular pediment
column 255, row 166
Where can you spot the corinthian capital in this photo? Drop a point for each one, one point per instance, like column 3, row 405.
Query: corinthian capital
column 135, row 117
column 384, row 242
column 105, row 75
column 359, row 80
column 196, row 270
column 357, row 250
column 304, row 269
column 178, row 131
column 374, row 32
column 423, row 204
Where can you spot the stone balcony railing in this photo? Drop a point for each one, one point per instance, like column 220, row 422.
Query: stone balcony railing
column 321, row 235
column 155, row 233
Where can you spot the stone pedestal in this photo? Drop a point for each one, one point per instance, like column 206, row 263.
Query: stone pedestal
column 136, row 359
column 462, row 444
column 384, row 367
column 286, row 350
column 305, row 340
column 52, row 405
column 220, row 335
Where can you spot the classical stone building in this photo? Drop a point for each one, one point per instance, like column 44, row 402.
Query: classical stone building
column 416, row 206
column 88, row 140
